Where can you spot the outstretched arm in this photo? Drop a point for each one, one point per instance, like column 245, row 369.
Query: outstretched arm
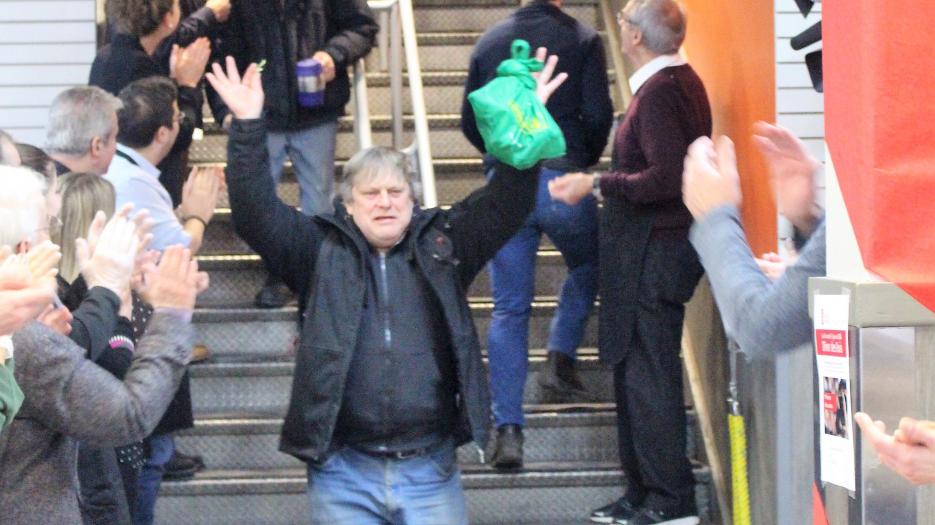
column 287, row 240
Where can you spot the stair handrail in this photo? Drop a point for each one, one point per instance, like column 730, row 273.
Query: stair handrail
column 401, row 31
column 621, row 72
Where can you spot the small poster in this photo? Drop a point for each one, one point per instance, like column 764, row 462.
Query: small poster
column 834, row 390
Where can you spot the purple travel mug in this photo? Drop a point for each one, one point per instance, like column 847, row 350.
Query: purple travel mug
column 311, row 85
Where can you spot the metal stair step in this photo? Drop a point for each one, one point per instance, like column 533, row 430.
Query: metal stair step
column 446, row 139
column 465, row 16
column 236, row 279
column 238, row 328
column 439, row 51
column 231, row 442
column 263, row 382
column 540, row 493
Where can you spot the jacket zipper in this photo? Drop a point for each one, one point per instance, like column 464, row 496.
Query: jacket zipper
column 387, row 333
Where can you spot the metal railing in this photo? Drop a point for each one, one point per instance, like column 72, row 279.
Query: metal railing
column 608, row 10
column 397, row 29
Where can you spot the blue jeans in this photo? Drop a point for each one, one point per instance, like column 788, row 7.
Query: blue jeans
column 363, row 489
column 312, row 153
column 573, row 229
column 159, row 451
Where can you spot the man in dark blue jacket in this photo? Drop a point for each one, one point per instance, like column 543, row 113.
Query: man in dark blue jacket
column 583, row 110
column 279, row 33
column 389, row 377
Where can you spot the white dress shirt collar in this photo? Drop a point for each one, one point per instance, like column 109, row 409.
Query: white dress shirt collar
column 652, row 67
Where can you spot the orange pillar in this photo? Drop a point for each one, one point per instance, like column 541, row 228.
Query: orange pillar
column 731, row 45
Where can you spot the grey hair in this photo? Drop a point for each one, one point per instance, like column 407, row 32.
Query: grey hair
column 77, row 116
column 368, row 164
column 21, row 199
column 662, row 23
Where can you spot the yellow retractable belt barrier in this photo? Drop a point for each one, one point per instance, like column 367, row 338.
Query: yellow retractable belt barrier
column 740, row 487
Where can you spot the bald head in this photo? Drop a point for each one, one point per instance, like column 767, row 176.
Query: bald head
column 661, row 22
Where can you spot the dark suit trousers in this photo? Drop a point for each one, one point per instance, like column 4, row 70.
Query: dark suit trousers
column 651, row 421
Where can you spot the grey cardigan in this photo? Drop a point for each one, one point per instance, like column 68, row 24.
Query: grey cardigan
column 71, row 399
column 761, row 316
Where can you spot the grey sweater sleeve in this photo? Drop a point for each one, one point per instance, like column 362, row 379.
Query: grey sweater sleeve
column 760, row 315
column 69, row 394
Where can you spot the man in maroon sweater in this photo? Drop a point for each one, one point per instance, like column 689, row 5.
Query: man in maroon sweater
column 648, row 269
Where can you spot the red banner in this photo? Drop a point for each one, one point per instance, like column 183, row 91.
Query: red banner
column 879, row 74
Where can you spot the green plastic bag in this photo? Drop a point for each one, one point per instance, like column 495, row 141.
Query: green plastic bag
column 516, row 128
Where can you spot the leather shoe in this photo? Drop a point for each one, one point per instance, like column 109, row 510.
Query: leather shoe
column 179, row 468
column 559, row 381
column 509, row 452
column 616, row 512
column 274, row 294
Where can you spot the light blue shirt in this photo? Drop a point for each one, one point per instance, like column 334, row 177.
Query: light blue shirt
column 137, row 182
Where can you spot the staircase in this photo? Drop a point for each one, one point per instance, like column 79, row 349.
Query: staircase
column 240, row 395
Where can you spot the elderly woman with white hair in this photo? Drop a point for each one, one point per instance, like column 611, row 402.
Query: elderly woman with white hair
column 67, row 397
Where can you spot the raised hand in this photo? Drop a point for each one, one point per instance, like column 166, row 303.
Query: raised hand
column 792, row 172
column 21, row 300
column 710, row 177
column 910, row 451
column 187, row 64
column 111, row 263
column 200, row 193
column 545, row 84
column 243, row 96
column 221, row 9
column 174, row 282
column 43, row 260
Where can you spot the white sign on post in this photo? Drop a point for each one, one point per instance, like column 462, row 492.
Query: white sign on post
column 835, row 390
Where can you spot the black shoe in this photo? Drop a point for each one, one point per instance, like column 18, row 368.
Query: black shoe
column 196, row 459
column 179, row 468
column 559, row 381
column 274, row 294
column 509, row 452
column 661, row 517
column 618, row 510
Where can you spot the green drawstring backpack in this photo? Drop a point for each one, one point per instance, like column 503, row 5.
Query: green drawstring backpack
column 516, row 128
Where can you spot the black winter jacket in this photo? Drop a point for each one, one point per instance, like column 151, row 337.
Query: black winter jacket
column 265, row 30
column 324, row 258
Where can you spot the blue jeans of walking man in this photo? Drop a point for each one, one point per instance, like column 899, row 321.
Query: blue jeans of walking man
column 363, row 489
column 573, row 230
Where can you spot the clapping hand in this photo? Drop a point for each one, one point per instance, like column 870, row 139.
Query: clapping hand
column 175, row 281
column 710, row 177
column 21, row 298
column 110, row 263
column 792, row 172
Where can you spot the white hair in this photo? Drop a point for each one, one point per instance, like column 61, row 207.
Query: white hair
column 22, row 205
column 662, row 23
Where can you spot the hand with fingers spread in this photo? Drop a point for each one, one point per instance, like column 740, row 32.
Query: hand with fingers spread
column 910, row 451
column 174, row 282
column 187, row 64
column 545, row 83
column 243, row 96
column 110, row 264
column 792, row 172
column 710, row 177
